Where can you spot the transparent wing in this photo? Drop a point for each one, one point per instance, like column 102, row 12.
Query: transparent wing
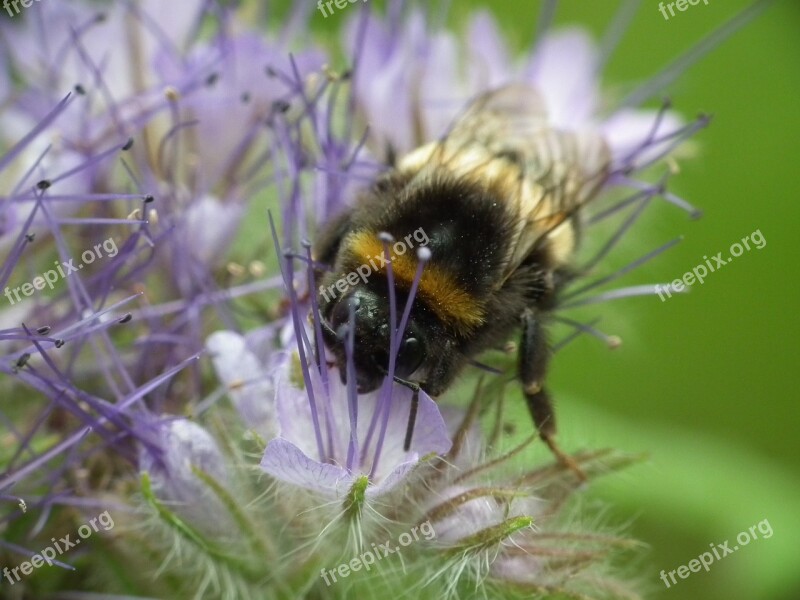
column 505, row 140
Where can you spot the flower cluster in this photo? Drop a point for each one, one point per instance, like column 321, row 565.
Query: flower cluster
column 172, row 129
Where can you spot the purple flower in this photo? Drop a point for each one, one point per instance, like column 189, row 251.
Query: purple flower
column 378, row 436
column 187, row 456
column 424, row 79
column 119, row 129
column 396, row 72
column 249, row 383
column 166, row 128
column 313, row 445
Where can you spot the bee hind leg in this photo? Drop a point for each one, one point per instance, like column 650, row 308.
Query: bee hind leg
column 533, row 358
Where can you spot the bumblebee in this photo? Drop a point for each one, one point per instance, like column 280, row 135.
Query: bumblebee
column 498, row 198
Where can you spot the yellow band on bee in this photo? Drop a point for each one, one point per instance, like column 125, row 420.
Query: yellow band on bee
column 437, row 288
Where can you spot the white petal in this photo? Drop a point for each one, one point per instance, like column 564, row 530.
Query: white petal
column 249, row 384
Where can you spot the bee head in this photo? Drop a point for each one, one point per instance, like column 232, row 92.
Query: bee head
column 370, row 318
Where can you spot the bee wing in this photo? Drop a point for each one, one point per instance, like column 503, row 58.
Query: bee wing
column 544, row 174
column 502, row 121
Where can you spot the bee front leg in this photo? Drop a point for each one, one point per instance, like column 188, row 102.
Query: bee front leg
column 436, row 382
column 533, row 359
column 412, row 414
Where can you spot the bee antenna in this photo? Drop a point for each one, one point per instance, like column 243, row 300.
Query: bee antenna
column 484, row 367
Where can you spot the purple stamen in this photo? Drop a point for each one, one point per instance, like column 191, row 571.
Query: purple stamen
column 619, row 25
column 424, row 255
column 622, row 204
column 302, row 341
column 576, row 333
column 620, row 272
column 649, row 140
column 15, row 193
column 353, row 453
column 322, row 363
column 94, row 160
column 620, row 293
column 611, row 341
column 676, row 68
column 34, row 133
column 671, row 198
column 543, row 24
column 28, row 554
column 22, row 241
column 620, row 232
column 676, row 138
column 385, row 395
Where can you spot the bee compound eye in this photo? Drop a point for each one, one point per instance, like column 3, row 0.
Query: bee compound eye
column 410, row 356
column 341, row 312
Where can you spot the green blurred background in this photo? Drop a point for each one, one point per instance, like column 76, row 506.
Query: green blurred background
column 702, row 382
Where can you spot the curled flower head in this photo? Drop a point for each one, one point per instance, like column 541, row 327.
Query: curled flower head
column 114, row 217
column 186, row 457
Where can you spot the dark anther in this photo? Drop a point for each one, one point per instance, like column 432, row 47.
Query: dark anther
column 280, row 106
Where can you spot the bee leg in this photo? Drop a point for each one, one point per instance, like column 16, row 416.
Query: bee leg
column 437, row 381
column 533, row 355
column 412, row 415
column 541, row 408
column 412, row 419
